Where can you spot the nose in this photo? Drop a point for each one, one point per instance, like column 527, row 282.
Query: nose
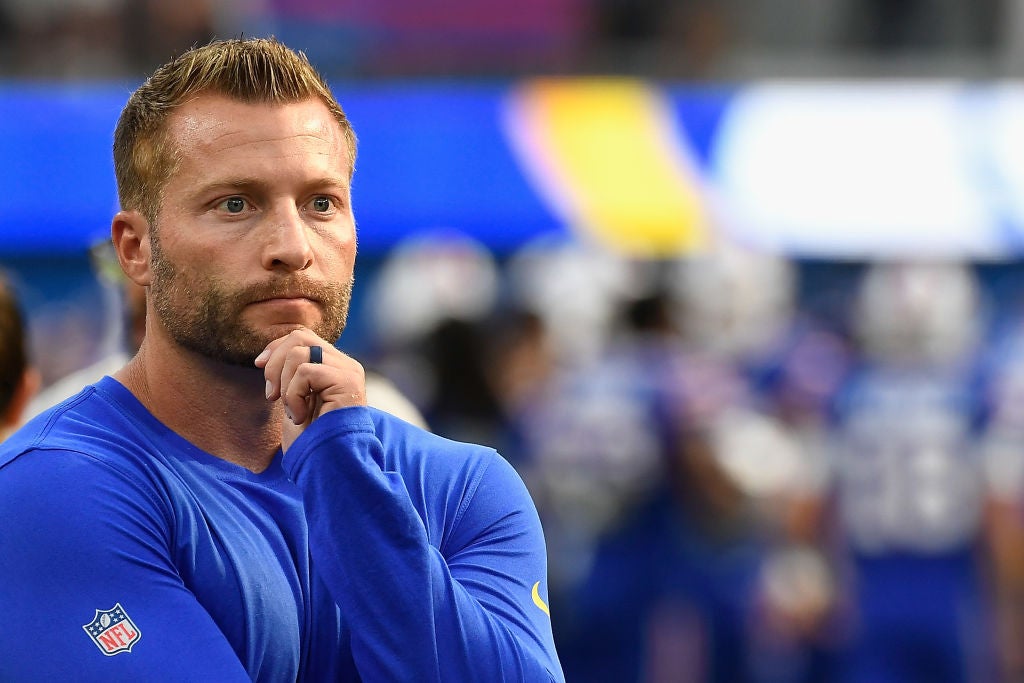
column 288, row 246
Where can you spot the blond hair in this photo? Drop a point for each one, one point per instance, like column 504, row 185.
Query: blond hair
column 251, row 70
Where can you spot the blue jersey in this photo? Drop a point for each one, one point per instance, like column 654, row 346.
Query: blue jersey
column 908, row 473
column 910, row 496
column 371, row 551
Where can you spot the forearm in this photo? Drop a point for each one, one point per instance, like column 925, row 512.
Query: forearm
column 413, row 616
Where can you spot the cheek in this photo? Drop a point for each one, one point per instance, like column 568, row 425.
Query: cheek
column 341, row 262
column 339, row 248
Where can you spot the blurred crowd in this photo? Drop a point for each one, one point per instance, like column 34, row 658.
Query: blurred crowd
column 742, row 476
column 683, row 39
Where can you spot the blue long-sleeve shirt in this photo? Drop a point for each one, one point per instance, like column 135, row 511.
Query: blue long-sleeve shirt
column 372, row 551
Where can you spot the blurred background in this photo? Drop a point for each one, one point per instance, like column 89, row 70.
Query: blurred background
column 736, row 286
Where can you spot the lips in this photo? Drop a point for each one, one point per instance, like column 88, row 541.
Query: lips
column 278, row 295
column 284, row 297
column 293, row 288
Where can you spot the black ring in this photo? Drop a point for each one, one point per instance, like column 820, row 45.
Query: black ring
column 316, row 354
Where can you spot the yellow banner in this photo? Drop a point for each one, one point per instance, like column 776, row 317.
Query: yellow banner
column 607, row 155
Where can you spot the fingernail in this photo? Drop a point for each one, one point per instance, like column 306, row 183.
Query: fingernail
column 269, row 389
column 264, row 354
column 289, row 414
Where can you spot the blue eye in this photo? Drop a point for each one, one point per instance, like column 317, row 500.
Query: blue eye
column 322, row 204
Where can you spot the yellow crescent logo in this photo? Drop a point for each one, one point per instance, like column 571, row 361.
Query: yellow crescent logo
column 537, row 600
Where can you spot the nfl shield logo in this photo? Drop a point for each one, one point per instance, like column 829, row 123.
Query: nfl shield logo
column 113, row 631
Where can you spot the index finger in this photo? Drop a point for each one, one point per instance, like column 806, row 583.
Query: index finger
column 283, row 355
column 264, row 357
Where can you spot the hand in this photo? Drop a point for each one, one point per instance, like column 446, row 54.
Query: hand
column 307, row 390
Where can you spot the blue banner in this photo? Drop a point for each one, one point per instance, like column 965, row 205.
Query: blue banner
column 816, row 170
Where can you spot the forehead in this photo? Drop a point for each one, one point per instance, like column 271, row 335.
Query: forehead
column 210, row 125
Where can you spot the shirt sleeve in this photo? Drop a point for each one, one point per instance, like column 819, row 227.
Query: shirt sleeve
column 467, row 606
column 81, row 541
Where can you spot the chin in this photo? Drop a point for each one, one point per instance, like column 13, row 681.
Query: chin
column 274, row 329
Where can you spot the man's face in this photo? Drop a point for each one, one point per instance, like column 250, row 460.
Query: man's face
column 255, row 236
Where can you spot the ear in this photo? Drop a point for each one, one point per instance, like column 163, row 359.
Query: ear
column 130, row 233
column 23, row 393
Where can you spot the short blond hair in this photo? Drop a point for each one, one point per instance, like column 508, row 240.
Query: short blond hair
column 252, row 70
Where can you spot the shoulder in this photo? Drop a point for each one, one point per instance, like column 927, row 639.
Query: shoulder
column 56, row 428
column 70, row 385
column 91, row 421
column 83, row 446
column 466, row 479
column 408, row 447
column 57, row 504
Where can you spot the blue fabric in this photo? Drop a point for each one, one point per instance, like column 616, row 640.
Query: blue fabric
column 373, row 551
column 910, row 494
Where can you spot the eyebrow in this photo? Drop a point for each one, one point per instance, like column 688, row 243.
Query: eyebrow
column 246, row 183
column 331, row 182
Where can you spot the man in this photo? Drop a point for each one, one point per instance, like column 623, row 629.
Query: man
column 902, row 517
column 19, row 379
column 226, row 507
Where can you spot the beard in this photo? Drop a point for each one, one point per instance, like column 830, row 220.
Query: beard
column 204, row 314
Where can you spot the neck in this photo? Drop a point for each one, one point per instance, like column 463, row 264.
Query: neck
column 219, row 408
